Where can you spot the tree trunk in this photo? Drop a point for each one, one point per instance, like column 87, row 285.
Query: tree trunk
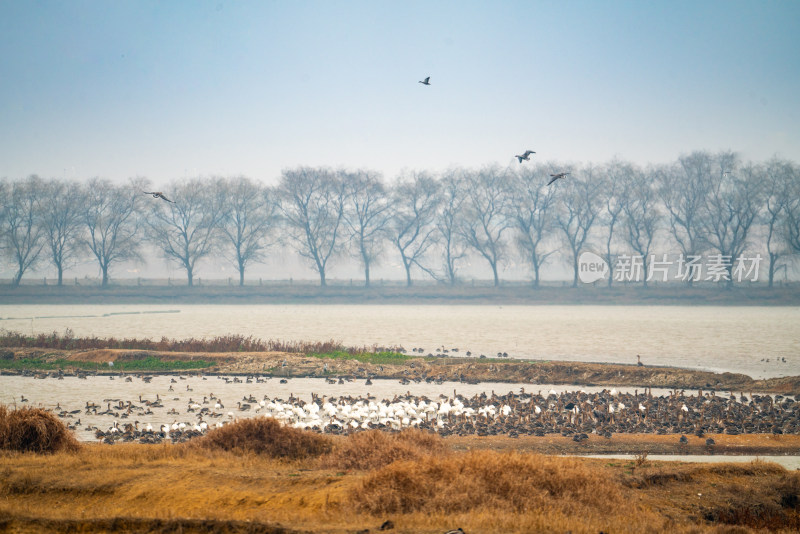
column 190, row 276
column 644, row 271
column 575, row 269
column 494, row 272
column 104, row 269
column 365, row 259
column 773, row 259
column 241, row 275
column 60, row 275
column 322, row 281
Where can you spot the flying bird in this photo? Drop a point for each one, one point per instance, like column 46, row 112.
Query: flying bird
column 555, row 177
column 426, row 81
column 158, row 194
column 525, row 156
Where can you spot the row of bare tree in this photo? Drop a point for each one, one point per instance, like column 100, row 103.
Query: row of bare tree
column 700, row 203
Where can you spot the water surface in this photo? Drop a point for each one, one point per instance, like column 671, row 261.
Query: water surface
column 757, row 341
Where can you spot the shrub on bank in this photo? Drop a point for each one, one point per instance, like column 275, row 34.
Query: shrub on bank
column 34, row 430
column 265, row 435
column 510, row 482
column 373, row 449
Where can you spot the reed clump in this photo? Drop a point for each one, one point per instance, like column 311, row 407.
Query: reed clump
column 267, row 436
column 373, row 449
column 224, row 343
column 34, row 430
column 510, row 482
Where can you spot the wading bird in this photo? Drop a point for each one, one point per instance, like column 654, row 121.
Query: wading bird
column 158, row 194
column 555, row 177
column 525, row 156
column 426, row 81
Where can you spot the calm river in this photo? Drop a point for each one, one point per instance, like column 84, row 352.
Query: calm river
column 757, row 341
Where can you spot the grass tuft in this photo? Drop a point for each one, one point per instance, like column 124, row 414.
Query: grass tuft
column 267, row 436
column 510, row 482
column 34, row 430
column 373, row 449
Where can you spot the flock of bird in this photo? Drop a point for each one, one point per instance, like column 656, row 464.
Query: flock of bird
column 525, row 156
column 576, row 415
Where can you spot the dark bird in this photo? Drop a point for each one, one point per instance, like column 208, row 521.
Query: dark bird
column 554, row 177
column 426, row 81
column 525, row 156
column 158, row 194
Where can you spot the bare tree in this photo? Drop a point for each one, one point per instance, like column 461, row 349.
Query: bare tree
column 577, row 212
column 411, row 228
column 367, row 215
column 187, row 229
column 448, row 221
column 22, row 229
column 683, row 189
column 485, row 220
column 791, row 227
column 5, row 202
column 641, row 216
column 110, row 216
column 530, row 209
column 312, row 203
column 732, row 205
column 611, row 191
column 62, row 224
column 776, row 179
column 249, row 213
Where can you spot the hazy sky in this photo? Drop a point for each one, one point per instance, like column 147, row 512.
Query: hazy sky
column 174, row 89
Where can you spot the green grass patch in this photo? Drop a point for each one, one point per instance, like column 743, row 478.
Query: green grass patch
column 151, row 363
column 384, row 357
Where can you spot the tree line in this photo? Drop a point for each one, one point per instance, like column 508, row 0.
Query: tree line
column 702, row 202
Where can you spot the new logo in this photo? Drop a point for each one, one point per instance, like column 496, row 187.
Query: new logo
column 591, row 267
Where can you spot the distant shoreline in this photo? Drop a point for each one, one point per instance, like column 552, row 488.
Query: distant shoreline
column 128, row 292
column 446, row 369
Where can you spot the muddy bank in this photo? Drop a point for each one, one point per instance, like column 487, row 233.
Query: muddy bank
column 636, row 444
column 470, row 370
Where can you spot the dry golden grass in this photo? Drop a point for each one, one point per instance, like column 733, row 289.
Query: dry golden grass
column 35, row 430
column 265, row 435
column 509, row 482
column 263, row 477
column 373, row 449
column 200, row 489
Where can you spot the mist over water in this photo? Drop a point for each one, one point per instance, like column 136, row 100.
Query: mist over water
column 722, row 339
